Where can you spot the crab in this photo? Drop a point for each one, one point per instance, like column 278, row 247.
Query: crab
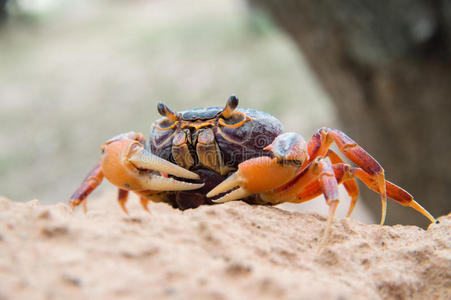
column 219, row 154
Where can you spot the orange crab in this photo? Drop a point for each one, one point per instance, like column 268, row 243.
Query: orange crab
column 214, row 155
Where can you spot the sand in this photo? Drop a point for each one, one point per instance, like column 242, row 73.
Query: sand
column 228, row 251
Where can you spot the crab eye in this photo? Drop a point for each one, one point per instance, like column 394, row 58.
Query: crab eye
column 169, row 119
column 236, row 119
column 165, row 124
column 165, row 111
column 230, row 106
column 231, row 117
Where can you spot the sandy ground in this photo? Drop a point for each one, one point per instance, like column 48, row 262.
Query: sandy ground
column 229, row 251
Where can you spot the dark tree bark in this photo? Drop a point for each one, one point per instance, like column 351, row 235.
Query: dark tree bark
column 387, row 66
column 2, row 10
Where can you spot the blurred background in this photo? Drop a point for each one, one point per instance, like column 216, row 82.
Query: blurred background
column 75, row 73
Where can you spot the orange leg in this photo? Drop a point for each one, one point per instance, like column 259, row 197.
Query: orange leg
column 329, row 187
column 350, row 185
column 352, row 189
column 122, row 197
column 305, row 185
column 393, row 191
column 344, row 171
column 144, row 203
column 323, row 139
column 89, row 184
column 313, row 189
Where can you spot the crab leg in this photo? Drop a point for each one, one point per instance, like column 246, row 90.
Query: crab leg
column 320, row 175
column 122, row 197
column 313, row 189
column 344, row 171
column 350, row 185
column 329, row 188
column 394, row 192
column 89, row 184
column 144, row 202
column 323, row 139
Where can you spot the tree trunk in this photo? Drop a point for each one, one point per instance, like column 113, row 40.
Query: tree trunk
column 387, row 66
column 2, row 10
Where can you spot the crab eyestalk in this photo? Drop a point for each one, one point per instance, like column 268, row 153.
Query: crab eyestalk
column 231, row 104
column 165, row 111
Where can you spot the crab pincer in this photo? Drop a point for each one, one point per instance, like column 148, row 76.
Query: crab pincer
column 127, row 164
column 264, row 174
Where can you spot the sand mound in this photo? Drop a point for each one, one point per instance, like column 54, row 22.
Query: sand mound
column 229, row 251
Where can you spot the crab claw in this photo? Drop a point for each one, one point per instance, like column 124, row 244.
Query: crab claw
column 128, row 165
column 143, row 159
column 264, row 174
column 234, row 182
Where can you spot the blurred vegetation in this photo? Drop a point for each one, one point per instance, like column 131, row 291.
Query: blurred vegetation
column 75, row 73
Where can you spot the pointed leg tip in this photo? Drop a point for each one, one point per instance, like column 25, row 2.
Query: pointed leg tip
column 322, row 244
column 415, row 205
column 433, row 223
column 145, row 207
column 349, row 213
column 124, row 209
column 85, row 207
column 73, row 203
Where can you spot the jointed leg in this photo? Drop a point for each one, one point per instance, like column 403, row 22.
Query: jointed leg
column 288, row 192
column 144, row 202
column 352, row 189
column 344, row 172
column 350, row 185
column 323, row 139
column 329, row 187
column 393, row 191
column 122, row 197
column 89, row 184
